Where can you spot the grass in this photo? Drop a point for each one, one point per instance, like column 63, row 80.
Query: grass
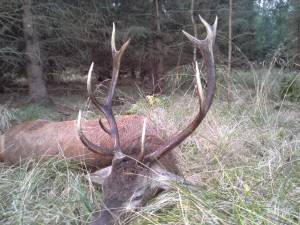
column 244, row 160
column 48, row 193
column 33, row 112
column 7, row 118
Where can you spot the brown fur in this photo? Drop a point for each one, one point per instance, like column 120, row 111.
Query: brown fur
column 43, row 140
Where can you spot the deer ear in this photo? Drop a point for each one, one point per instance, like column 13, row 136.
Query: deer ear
column 166, row 179
column 99, row 176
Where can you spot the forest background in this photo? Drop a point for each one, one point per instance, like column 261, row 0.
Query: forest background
column 66, row 35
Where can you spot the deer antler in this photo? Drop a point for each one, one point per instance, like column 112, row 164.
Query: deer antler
column 105, row 108
column 206, row 47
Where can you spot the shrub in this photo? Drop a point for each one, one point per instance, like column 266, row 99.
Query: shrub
column 6, row 118
column 290, row 86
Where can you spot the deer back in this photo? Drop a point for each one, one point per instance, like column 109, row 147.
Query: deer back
column 42, row 140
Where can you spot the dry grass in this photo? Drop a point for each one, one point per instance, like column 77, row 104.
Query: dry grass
column 245, row 162
column 6, row 118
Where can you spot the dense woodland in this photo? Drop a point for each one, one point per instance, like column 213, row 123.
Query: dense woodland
column 43, row 38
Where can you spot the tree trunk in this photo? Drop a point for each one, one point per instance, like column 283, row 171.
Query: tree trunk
column 37, row 88
column 158, row 82
column 195, row 30
column 229, row 54
column 298, row 35
column 251, row 38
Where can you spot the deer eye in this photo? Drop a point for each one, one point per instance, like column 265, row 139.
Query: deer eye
column 137, row 198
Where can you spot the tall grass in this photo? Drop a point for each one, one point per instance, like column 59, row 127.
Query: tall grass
column 244, row 162
column 246, row 158
column 55, row 192
column 7, row 117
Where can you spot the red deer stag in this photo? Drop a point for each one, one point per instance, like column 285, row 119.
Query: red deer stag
column 129, row 150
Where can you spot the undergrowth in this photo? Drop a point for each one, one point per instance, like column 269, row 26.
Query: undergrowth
column 8, row 116
column 55, row 192
column 32, row 112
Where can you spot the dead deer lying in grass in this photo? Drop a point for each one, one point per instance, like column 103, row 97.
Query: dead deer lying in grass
column 129, row 150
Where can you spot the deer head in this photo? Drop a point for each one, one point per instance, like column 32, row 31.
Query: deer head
column 131, row 180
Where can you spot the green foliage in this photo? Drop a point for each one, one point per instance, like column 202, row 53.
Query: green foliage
column 132, row 110
column 33, row 112
column 180, row 78
column 148, row 101
column 139, row 33
column 11, row 40
column 73, row 34
column 290, row 86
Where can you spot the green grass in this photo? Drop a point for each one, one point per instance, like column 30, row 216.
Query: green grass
column 290, row 86
column 32, row 112
column 55, row 192
column 245, row 162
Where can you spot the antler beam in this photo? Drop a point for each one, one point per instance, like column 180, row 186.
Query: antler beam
column 206, row 47
column 105, row 108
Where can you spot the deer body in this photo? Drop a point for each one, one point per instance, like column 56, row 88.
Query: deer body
column 128, row 150
column 42, row 140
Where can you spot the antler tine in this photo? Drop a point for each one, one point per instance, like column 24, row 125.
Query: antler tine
column 199, row 87
column 206, row 47
column 117, row 55
column 87, row 143
column 106, row 108
column 89, row 89
column 103, row 127
column 142, row 152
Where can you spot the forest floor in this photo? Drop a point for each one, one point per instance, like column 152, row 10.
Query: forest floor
column 68, row 98
column 244, row 159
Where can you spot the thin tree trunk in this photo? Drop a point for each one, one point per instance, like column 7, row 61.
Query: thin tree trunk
column 229, row 54
column 251, row 37
column 158, row 82
column 157, row 16
column 298, row 35
column 195, row 29
column 37, row 88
